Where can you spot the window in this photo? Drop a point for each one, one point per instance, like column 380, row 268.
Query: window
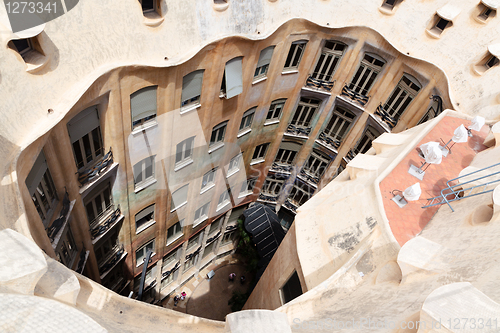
column 287, row 153
column 170, row 278
column 99, row 203
column 174, row 232
column 143, row 107
column 179, row 198
column 485, row 12
column 295, row 55
column 209, row 249
column 228, row 237
column 201, row 214
column 140, row 254
column 42, row 189
column 218, row 133
column 144, row 172
column 492, row 61
column 106, row 248
column 274, row 113
column 193, row 242
column 23, row 46
column 432, row 112
column 223, row 200
column 246, row 121
column 300, row 193
column 208, row 180
column 234, row 165
column 259, row 153
column 263, row 63
column 28, row 48
column 291, row 289
column 68, row 249
column 316, row 164
column 145, row 218
column 85, row 135
column 247, row 187
column 232, row 80
column 401, row 97
column 390, row 4
column 328, row 61
column 440, row 25
column 190, row 262
column 191, row 89
column 170, row 258
column 148, row 6
column 215, row 226
column 366, row 74
column 366, row 141
column 339, row 124
column 184, row 153
column 304, row 112
column 272, row 187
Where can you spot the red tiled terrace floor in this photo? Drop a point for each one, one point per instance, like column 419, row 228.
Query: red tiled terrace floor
column 408, row 221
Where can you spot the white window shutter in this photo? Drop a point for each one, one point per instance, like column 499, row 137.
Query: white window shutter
column 265, row 56
column 180, row 196
column 290, row 146
column 143, row 103
column 191, row 85
column 146, row 211
column 83, row 123
column 234, row 77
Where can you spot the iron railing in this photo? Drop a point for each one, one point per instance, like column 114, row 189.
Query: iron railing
column 386, row 118
column 355, row 96
column 310, row 178
column 329, row 141
column 115, row 255
column 319, row 84
column 88, row 175
column 59, row 222
column 299, row 131
column 98, row 229
column 268, row 198
column 281, row 168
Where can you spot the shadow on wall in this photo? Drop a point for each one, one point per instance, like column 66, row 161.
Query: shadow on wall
column 8, row 182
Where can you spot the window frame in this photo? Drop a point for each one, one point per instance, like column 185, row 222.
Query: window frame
column 270, row 185
column 275, row 111
column 224, row 199
column 173, row 206
column 339, row 119
column 149, row 244
column 329, row 58
column 202, row 213
column 209, row 183
column 260, row 152
column 246, row 121
column 150, row 210
column 294, row 55
column 305, row 111
column 184, row 153
column 176, row 233
column 106, row 208
column 145, row 181
column 217, row 136
column 312, row 168
column 261, row 71
column 148, row 121
column 234, row 165
column 192, row 102
column 247, row 187
column 362, row 83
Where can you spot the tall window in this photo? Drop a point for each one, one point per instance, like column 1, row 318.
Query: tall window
column 275, row 110
column 143, row 107
column 144, row 171
column 23, row 46
column 174, row 232
column 365, row 143
column 209, row 248
column 263, row 63
column 401, row 97
column 234, row 165
column 246, row 121
column 68, row 250
column 191, row 89
column 42, row 189
column 328, row 61
column 85, row 134
column 305, row 111
column 247, row 187
column 215, row 226
column 223, row 199
column 300, row 193
column 201, row 214
column 184, row 152
column 150, row 8
column 179, row 198
column 339, row 124
column 218, row 133
column 272, row 186
column 287, row 153
column 106, row 248
column 140, row 254
column 432, row 112
column 99, row 203
column 193, row 242
column 259, row 153
column 291, row 289
column 366, row 74
column 295, row 55
column 316, row 164
column 208, row 180
column 145, row 217
column 232, row 80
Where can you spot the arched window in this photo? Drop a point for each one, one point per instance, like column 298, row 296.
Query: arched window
column 401, row 97
column 366, row 74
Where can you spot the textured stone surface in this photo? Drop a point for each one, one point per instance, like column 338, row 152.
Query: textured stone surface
column 59, row 283
column 257, row 321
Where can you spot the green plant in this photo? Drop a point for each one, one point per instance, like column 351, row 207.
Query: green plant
column 247, row 249
column 238, row 300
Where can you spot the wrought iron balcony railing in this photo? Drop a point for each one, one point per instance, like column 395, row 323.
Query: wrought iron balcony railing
column 350, row 155
column 60, row 221
column 319, row 84
column 112, row 259
column 290, row 205
column 97, row 229
column 312, row 179
column 299, row 131
column 282, row 168
column 88, row 175
column 329, row 141
column 386, row 118
column 355, row 96
column 268, row 198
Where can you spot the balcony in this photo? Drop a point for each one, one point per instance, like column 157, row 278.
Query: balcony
column 59, row 225
column 84, row 256
column 328, row 142
column 319, row 85
column 281, row 168
column 312, row 180
column 267, row 198
column 290, row 206
column 350, row 155
column 104, row 222
column 385, row 118
column 113, row 258
column 90, row 176
column 354, row 96
column 301, row 132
